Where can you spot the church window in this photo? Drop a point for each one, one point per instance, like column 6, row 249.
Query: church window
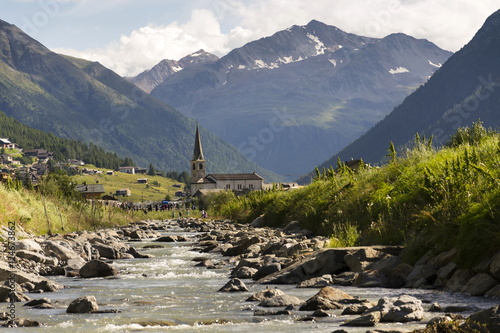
column 194, row 166
column 228, row 187
column 200, row 166
column 240, row 186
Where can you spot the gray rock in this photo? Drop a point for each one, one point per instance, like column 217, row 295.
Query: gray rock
column 493, row 292
column 234, row 285
column 97, row 268
column 244, row 272
column 479, row 285
column 489, row 319
column 22, row 277
column 17, row 294
column 370, row 279
column 367, row 320
column 355, row 309
column 28, row 245
column 318, row 282
column 459, row 279
column 63, row 252
column 36, row 257
column 495, row 266
column 399, row 309
column 267, row 270
column 106, row 251
column 265, row 294
column 345, row 279
column 327, row 298
column 167, row 239
column 362, row 258
column 84, row 304
column 421, row 275
column 280, row 300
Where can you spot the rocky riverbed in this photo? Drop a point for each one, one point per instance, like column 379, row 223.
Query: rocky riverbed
column 262, row 256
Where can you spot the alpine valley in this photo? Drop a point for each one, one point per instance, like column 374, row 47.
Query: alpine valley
column 464, row 90
column 83, row 100
column 291, row 100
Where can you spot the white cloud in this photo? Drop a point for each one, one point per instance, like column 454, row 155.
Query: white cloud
column 225, row 24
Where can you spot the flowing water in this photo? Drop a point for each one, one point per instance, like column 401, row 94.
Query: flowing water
column 168, row 288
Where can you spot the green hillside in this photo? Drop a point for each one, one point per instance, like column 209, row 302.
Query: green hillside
column 85, row 101
column 426, row 200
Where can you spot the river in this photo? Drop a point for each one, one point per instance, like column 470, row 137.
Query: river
column 168, row 288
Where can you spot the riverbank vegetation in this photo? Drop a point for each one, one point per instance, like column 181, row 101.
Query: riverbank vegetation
column 425, row 199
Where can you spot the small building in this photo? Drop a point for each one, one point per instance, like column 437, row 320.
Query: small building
column 5, row 143
column 5, row 159
column 127, row 169
column 141, row 171
column 93, row 191
column 124, row 192
column 142, row 180
column 75, row 162
column 109, row 172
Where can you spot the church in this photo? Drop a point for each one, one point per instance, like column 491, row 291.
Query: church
column 201, row 183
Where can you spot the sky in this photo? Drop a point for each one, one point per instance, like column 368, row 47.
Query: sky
column 130, row 36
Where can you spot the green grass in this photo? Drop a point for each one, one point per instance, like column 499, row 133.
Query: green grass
column 140, row 192
column 426, row 200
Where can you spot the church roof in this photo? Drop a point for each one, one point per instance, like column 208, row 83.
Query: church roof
column 234, row 176
column 198, row 150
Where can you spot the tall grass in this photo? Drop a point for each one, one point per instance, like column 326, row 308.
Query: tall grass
column 53, row 215
column 425, row 199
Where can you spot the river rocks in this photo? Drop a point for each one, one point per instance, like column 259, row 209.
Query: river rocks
column 267, row 270
column 401, row 309
column 97, row 268
column 62, row 252
column 16, row 294
column 244, row 272
column 167, row 239
column 367, row 320
column 41, row 303
column 318, row 282
column 265, row 294
column 234, row 285
column 84, row 304
column 489, row 319
column 280, row 300
column 327, row 298
column 28, row 245
column 479, row 285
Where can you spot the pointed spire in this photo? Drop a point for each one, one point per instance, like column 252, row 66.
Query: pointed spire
column 198, row 151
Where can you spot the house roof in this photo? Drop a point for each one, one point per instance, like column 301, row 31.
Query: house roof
column 234, row 176
column 206, row 191
column 5, row 141
column 93, row 188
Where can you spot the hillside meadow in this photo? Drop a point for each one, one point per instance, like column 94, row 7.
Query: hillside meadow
column 424, row 199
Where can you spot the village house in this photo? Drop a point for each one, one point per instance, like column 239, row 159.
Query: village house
column 5, row 159
column 200, row 181
column 127, row 169
column 124, row 192
column 5, row 143
column 93, row 191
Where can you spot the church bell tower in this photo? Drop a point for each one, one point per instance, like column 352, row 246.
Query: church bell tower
column 198, row 170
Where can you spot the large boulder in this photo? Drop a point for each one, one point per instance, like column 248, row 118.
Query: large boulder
column 97, row 268
column 264, row 294
column 60, row 249
column 280, row 300
column 37, row 257
column 318, row 282
column 401, row 309
column 233, row 285
column 84, row 304
column 479, row 285
column 489, row 319
column 267, row 270
column 28, row 245
column 459, row 279
column 362, row 258
column 327, row 298
column 367, row 320
column 22, row 277
column 495, row 266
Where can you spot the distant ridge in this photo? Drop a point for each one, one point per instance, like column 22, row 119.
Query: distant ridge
column 290, row 100
column 466, row 88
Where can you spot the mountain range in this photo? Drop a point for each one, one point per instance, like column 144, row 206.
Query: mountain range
column 464, row 90
column 83, row 100
column 291, row 100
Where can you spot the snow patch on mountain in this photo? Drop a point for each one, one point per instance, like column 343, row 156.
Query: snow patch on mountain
column 398, row 70
column 320, row 47
column 433, row 64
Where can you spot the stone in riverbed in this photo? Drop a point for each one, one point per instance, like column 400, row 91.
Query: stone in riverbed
column 367, row 320
column 489, row 319
column 318, row 282
column 84, row 304
column 401, row 309
column 479, row 285
column 97, row 268
column 280, row 300
column 265, row 294
column 244, row 272
column 233, row 285
column 327, row 298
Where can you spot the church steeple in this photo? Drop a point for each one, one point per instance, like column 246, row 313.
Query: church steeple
column 198, row 171
column 198, row 150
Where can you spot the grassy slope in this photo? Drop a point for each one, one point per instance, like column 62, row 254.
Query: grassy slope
column 428, row 200
column 120, row 180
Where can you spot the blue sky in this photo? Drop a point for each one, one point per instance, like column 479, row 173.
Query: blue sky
column 130, row 36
